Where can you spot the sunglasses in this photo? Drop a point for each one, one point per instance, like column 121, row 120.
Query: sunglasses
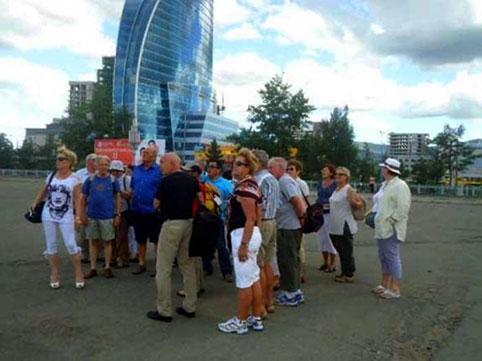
column 290, row 168
column 238, row 163
column 61, row 159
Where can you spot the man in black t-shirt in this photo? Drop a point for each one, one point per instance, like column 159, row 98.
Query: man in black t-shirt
column 175, row 198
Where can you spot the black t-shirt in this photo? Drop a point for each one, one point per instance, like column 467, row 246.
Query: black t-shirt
column 176, row 194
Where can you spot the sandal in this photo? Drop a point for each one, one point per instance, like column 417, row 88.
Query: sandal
column 55, row 285
column 79, row 285
column 389, row 294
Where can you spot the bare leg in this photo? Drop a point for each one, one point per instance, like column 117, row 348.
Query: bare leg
column 54, row 261
column 386, row 281
column 94, row 252
column 245, row 299
column 257, row 301
column 325, row 259
column 107, row 253
column 79, row 276
column 332, row 261
column 395, row 285
column 268, row 290
column 142, row 254
column 263, row 282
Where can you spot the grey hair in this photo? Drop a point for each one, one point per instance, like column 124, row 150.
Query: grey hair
column 91, row 156
column 101, row 157
column 262, row 156
column 279, row 161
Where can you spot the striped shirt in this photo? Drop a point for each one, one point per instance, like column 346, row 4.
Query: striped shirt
column 270, row 193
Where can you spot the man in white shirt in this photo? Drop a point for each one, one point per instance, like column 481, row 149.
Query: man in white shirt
column 294, row 169
column 83, row 174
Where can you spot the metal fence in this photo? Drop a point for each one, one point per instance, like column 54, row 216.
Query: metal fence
column 416, row 189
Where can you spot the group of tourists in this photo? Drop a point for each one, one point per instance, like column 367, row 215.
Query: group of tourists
column 106, row 207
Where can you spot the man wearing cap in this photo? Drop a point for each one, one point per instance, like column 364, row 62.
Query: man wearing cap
column 146, row 179
column 83, row 174
column 392, row 205
column 120, row 251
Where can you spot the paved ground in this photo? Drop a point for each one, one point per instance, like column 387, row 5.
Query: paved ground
column 439, row 316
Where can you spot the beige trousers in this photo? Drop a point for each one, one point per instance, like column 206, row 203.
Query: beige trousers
column 174, row 242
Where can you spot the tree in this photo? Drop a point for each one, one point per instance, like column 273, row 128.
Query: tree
column 7, row 153
column 337, row 139
column 214, row 153
column 429, row 169
column 366, row 166
column 26, row 155
column 454, row 154
column 277, row 120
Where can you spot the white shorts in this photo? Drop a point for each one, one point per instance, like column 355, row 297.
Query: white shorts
column 323, row 237
column 246, row 273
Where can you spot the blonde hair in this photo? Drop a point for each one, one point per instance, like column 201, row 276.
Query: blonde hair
column 67, row 153
column 347, row 172
column 250, row 159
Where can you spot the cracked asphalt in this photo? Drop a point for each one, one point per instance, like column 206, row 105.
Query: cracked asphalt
column 439, row 316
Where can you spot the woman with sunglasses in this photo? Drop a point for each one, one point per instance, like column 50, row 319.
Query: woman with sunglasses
column 244, row 216
column 342, row 225
column 58, row 215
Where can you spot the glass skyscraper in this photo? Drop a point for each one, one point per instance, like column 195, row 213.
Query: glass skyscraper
column 163, row 72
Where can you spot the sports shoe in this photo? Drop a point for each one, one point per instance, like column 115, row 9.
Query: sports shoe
column 378, row 290
column 296, row 300
column 389, row 294
column 256, row 323
column 234, row 325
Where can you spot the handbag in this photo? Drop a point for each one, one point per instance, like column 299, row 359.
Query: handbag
column 35, row 215
column 370, row 219
column 313, row 217
column 205, row 228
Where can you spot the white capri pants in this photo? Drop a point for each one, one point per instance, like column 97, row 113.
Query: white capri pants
column 246, row 273
column 323, row 237
column 52, row 241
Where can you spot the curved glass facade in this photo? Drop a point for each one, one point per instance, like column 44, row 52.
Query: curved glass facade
column 163, row 69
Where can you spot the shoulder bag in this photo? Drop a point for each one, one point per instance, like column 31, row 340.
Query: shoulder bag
column 35, row 215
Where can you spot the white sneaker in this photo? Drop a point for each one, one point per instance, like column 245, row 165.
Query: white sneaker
column 378, row 290
column 255, row 323
column 389, row 294
column 234, row 325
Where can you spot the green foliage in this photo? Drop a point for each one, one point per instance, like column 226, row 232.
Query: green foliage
column 7, row 153
column 366, row 166
column 214, row 152
column 337, row 141
column 95, row 120
column 30, row 156
column 448, row 155
column 279, row 117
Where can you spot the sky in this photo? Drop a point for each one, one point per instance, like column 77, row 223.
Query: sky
column 400, row 66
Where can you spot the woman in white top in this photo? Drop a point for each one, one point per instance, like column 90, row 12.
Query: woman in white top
column 58, row 214
column 391, row 204
column 342, row 225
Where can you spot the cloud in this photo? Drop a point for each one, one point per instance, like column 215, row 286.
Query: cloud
column 238, row 77
column 229, row 12
column 243, row 32
column 30, row 95
column 74, row 25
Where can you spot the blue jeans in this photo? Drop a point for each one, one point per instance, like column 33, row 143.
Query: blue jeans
column 223, row 256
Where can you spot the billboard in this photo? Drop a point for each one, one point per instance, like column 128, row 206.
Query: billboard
column 115, row 149
column 159, row 144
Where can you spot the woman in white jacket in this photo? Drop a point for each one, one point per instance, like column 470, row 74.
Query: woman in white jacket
column 391, row 204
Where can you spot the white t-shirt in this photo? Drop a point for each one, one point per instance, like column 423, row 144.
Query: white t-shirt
column 340, row 212
column 303, row 186
column 59, row 206
column 83, row 174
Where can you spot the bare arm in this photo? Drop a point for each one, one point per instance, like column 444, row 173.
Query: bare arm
column 39, row 197
column 354, row 198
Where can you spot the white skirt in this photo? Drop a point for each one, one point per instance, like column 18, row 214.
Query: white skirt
column 323, row 236
column 246, row 273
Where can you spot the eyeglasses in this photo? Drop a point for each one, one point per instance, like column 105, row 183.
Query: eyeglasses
column 61, row 159
column 238, row 163
column 291, row 169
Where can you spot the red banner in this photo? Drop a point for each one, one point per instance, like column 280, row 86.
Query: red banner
column 115, row 149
